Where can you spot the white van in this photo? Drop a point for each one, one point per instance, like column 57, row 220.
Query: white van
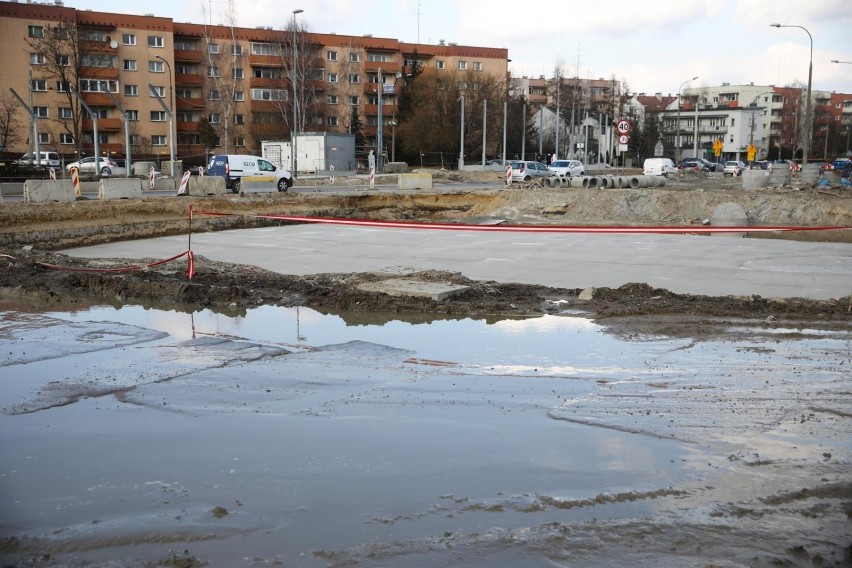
column 658, row 167
column 232, row 167
column 50, row 159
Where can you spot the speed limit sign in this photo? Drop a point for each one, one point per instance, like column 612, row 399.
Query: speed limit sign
column 623, row 126
column 623, row 139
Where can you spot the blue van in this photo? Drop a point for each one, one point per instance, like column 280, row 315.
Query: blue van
column 232, row 167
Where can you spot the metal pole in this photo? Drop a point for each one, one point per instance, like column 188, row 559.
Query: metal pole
column 379, row 142
column 677, row 125
column 484, row 114
column 293, row 130
column 505, row 120
column 461, row 151
column 524, row 133
column 171, row 117
column 127, row 162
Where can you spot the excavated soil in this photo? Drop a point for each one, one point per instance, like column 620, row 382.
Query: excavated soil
column 31, row 233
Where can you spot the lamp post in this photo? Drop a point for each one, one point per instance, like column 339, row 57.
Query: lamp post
column 677, row 126
column 293, row 152
column 171, row 117
column 807, row 143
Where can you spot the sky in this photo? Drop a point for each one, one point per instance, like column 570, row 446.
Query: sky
column 651, row 46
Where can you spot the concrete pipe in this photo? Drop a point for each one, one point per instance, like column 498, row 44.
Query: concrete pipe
column 623, row 182
column 577, row 182
column 755, row 179
column 810, row 174
column 564, row 182
column 780, row 175
column 658, row 181
column 729, row 215
column 590, row 182
column 643, row 181
column 603, row 182
column 548, row 182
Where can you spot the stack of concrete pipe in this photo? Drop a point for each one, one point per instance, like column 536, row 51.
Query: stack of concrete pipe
column 605, row 182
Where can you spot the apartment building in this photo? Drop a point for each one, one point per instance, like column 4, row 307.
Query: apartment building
column 226, row 87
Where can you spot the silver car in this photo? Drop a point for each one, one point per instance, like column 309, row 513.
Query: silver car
column 733, row 168
column 567, row 168
column 523, row 170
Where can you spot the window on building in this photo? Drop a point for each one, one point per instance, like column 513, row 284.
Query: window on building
column 103, row 138
column 213, row 72
column 40, row 111
column 35, row 31
column 156, row 41
column 462, row 65
column 158, row 116
column 239, row 119
column 39, row 85
column 732, row 121
column 128, row 39
column 61, row 32
column 159, row 90
column 44, row 138
column 214, row 118
column 236, row 49
column 477, row 66
column 269, row 94
column 132, row 115
column 64, row 113
column 213, row 48
column 183, row 45
column 66, row 138
column 377, row 57
column 63, row 60
column 158, row 140
column 62, row 86
column 131, row 91
column 332, row 121
column 353, row 100
column 130, row 65
column 156, row 66
column 261, row 48
column 187, row 138
column 97, row 60
column 332, row 77
column 239, row 96
column 135, row 139
column 439, row 64
column 239, row 142
column 213, row 95
column 183, row 93
column 354, row 78
column 267, row 73
column 354, row 57
column 373, row 100
column 36, row 59
column 331, row 99
column 238, row 73
column 331, row 55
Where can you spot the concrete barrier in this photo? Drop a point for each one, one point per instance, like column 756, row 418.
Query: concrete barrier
column 755, row 179
column 729, row 215
column 41, row 190
column 120, row 188
column 258, row 184
column 396, row 168
column 780, row 175
column 143, row 169
column 163, row 184
column 414, row 181
column 207, row 185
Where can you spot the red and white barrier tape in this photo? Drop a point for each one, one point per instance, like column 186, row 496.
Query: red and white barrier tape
column 533, row 228
column 190, row 271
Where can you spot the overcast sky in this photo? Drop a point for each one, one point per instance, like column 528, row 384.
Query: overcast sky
column 652, row 45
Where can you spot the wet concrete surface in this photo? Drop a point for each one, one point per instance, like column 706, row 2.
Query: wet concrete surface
column 285, row 437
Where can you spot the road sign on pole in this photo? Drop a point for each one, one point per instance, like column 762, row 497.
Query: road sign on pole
column 623, row 126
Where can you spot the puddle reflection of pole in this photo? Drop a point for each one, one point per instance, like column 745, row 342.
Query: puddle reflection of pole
column 298, row 336
column 192, row 320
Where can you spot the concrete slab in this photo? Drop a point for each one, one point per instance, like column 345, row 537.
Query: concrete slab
column 685, row 264
column 402, row 287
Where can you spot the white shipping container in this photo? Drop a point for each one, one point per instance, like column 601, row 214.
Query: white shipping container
column 317, row 151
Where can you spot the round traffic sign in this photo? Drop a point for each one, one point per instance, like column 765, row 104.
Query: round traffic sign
column 623, row 139
column 623, row 126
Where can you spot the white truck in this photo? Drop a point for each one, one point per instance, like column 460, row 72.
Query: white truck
column 317, row 152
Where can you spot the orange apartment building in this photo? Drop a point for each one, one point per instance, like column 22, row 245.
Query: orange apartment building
column 236, row 79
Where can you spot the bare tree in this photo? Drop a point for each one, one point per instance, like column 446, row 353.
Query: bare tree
column 58, row 51
column 10, row 125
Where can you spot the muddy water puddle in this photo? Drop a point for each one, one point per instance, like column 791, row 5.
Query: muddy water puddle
column 307, row 439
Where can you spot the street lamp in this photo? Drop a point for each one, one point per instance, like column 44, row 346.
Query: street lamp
column 846, row 62
column 807, row 143
column 293, row 153
column 171, row 117
column 677, row 126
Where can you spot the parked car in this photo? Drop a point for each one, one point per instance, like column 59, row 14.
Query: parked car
column 525, row 170
column 733, row 168
column 50, row 159
column 658, row 167
column 759, row 165
column 104, row 166
column 567, row 168
column 233, row 167
column 698, row 164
